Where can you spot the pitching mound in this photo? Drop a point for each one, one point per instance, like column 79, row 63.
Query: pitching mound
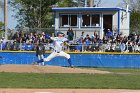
column 47, row 69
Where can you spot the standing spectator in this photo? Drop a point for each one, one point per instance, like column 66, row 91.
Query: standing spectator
column 109, row 34
column 15, row 36
column 83, row 35
column 94, row 37
column 70, row 34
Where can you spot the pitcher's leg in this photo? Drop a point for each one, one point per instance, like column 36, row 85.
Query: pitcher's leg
column 63, row 54
column 52, row 55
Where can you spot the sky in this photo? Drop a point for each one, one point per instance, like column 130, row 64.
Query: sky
column 12, row 22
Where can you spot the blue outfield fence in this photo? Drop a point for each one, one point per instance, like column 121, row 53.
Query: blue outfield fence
column 112, row 60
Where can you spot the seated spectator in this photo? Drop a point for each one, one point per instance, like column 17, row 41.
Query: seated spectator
column 136, row 47
column 117, row 48
column 29, row 46
column 87, row 42
column 14, row 46
column 105, row 40
column 129, row 47
column 122, row 46
column 113, row 46
column 79, row 45
column 95, row 46
column 108, row 47
column 23, row 46
column 138, row 40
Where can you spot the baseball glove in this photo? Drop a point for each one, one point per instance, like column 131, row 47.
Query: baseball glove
column 66, row 44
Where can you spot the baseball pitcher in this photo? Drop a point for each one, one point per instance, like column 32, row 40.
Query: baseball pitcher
column 59, row 42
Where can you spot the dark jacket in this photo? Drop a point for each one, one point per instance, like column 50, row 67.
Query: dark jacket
column 40, row 50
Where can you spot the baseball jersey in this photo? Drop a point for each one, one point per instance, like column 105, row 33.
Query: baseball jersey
column 58, row 43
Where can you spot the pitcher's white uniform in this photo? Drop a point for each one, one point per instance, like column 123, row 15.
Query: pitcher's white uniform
column 58, row 45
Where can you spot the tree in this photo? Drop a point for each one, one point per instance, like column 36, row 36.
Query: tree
column 33, row 13
column 1, row 25
column 1, row 7
column 37, row 13
column 135, row 22
column 67, row 3
column 134, row 6
column 1, row 28
column 81, row 3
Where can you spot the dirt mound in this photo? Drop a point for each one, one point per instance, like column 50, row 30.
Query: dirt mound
column 47, row 69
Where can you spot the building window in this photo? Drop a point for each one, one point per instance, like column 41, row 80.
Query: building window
column 64, row 20
column 68, row 20
column 86, row 20
column 95, row 20
column 91, row 20
column 73, row 21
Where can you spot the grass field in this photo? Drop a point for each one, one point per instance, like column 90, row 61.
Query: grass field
column 118, row 79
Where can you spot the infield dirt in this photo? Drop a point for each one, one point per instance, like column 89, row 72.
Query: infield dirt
column 47, row 69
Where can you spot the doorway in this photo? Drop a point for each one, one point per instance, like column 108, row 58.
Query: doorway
column 107, row 22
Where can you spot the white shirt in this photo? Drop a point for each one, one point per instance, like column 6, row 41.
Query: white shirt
column 58, row 43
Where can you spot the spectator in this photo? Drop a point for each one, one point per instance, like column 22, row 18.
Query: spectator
column 117, row 47
column 15, row 36
column 94, row 37
column 83, row 35
column 87, row 42
column 122, row 46
column 109, row 34
column 14, row 46
column 116, row 42
column 30, row 46
column 70, row 34
column 23, row 46
column 79, row 45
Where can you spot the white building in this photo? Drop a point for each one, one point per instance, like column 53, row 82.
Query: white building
column 91, row 19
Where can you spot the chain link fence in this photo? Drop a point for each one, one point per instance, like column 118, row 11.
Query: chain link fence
column 14, row 46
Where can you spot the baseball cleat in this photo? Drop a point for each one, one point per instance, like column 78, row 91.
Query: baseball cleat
column 35, row 63
column 72, row 66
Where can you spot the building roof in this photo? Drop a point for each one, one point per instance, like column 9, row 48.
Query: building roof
column 87, row 9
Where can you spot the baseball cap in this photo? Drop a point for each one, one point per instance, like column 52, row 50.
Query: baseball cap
column 59, row 33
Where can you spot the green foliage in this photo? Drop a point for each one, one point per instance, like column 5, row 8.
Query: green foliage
column 33, row 13
column 1, row 25
column 135, row 21
column 66, row 3
column 37, row 13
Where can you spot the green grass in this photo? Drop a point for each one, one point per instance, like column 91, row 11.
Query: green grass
column 96, row 81
column 122, row 70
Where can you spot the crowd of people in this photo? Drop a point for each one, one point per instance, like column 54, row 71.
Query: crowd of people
column 23, row 41
column 110, row 42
